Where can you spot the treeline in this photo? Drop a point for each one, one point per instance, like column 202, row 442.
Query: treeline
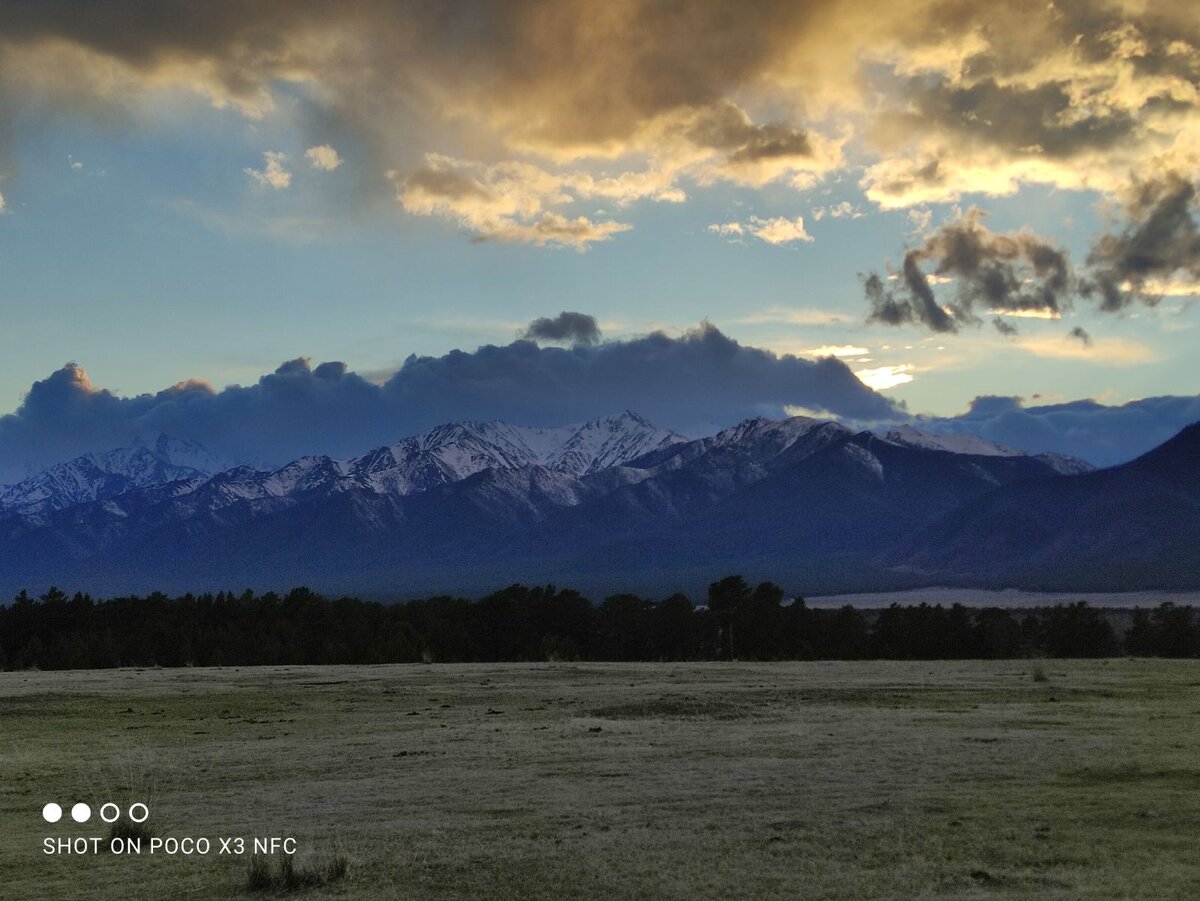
column 519, row 623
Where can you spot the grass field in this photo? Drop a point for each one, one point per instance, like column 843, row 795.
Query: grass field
column 788, row 780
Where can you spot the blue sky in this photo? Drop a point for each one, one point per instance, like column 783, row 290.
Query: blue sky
column 134, row 241
column 158, row 260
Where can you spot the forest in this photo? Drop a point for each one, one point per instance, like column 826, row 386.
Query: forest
column 737, row 621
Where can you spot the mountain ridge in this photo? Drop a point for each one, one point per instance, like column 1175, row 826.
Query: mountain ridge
column 614, row 502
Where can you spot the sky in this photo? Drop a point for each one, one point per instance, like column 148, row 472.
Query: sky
column 953, row 200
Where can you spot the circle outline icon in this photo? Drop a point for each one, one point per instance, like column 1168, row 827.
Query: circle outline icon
column 116, row 816
column 52, row 812
column 144, row 817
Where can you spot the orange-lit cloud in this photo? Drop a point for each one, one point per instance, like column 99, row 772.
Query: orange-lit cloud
column 629, row 100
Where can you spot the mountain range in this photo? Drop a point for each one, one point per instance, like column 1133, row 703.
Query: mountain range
column 612, row 504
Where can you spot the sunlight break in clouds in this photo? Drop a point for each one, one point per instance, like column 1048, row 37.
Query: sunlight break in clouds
column 835, row 350
column 1101, row 351
column 881, row 378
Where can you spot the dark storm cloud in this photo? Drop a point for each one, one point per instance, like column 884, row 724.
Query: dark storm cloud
column 1019, row 120
column 1161, row 241
column 447, row 183
column 950, row 97
column 575, row 328
column 1101, row 434
column 993, row 273
column 1020, row 272
column 913, row 302
column 1007, row 329
column 698, row 381
column 726, row 127
column 561, row 74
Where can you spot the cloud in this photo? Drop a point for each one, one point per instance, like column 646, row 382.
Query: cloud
column 883, row 377
column 323, row 157
column 843, row 210
column 1070, row 95
column 573, row 328
column 996, row 273
column 1101, row 434
column 1155, row 253
column 1159, row 244
column 793, row 316
column 940, row 100
column 748, row 153
column 836, row 350
column 272, row 175
column 778, row 230
column 694, row 382
column 727, row 229
column 1007, row 329
column 511, row 202
column 918, row 305
column 1077, row 346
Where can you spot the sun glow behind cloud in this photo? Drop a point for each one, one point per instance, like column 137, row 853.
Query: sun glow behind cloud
column 880, row 378
column 1101, row 351
column 836, row 350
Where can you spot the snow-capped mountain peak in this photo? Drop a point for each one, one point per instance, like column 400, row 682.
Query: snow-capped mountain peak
column 184, row 452
column 457, row 450
column 608, row 441
column 98, row 476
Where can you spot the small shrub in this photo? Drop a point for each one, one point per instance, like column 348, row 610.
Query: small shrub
column 287, row 877
column 336, row 868
column 1039, row 674
column 258, row 874
column 127, row 830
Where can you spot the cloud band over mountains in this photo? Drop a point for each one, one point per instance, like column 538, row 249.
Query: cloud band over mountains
column 1099, row 433
column 696, row 382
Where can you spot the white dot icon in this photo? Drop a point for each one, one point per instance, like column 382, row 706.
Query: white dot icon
column 52, row 812
column 80, row 813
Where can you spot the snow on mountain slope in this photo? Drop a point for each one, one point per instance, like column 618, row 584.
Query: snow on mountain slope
column 185, row 454
column 450, row 453
column 444, row 455
column 759, row 441
column 98, row 476
column 606, row 442
column 960, row 443
column 967, row 443
column 1065, row 465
